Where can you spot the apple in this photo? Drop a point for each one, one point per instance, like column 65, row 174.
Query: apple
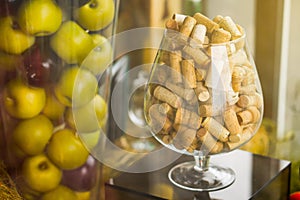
column 96, row 14
column 100, row 57
column 53, row 109
column 36, row 131
column 12, row 39
column 82, row 178
column 83, row 195
column 295, row 196
column 71, row 43
column 9, row 62
column 22, row 101
column 40, row 173
column 59, row 193
column 76, row 87
column 39, row 17
column 66, row 150
column 91, row 116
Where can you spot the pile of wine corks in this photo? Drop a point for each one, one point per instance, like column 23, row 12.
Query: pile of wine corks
column 203, row 93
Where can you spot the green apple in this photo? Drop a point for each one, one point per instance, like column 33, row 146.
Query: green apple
column 36, row 131
column 12, row 39
column 96, row 14
column 91, row 116
column 39, row 17
column 60, row 193
column 71, row 42
column 76, row 87
column 66, row 150
column 22, row 101
column 100, row 57
column 40, row 173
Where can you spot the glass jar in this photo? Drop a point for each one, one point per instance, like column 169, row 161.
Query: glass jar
column 52, row 53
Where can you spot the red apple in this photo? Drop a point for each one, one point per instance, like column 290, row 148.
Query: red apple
column 295, row 196
column 40, row 66
column 82, row 178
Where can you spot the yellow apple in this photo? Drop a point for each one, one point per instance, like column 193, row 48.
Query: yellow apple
column 36, row 131
column 92, row 116
column 100, row 57
column 53, row 108
column 66, row 150
column 22, row 101
column 12, row 39
column 76, row 87
column 96, row 14
column 39, row 17
column 71, row 42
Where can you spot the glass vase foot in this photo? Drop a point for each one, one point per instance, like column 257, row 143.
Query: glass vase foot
column 188, row 176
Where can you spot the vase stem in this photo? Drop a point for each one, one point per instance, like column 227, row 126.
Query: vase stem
column 202, row 162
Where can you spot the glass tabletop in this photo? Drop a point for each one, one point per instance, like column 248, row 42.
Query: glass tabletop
column 257, row 177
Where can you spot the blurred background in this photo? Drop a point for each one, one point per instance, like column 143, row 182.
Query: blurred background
column 272, row 29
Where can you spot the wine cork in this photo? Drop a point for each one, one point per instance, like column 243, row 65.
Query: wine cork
column 198, row 34
column 187, row 26
column 159, row 121
column 255, row 114
column 166, row 109
column 166, row 139
column 210, row 25
column 250, row 100
column 234, row 138
column 164, row 57
column 201, row 132
column 175, row 59
column 248, row 89
column 228, row 25
column 197, row 54
column 188, row 72
column 188, row 118
column 167, row 96
column 208, row 110
column 179, row 18
column 186, row 94
column 231, row 122
column 210, row 144
column 184, row 138
column 220, row 36
column 218, row 18
column 172, row 24
column 200, row 74
column 238, row 74
column 202, row 92
column 216, row 129
column 160, row 74
column 244, row 137
column 244, row 117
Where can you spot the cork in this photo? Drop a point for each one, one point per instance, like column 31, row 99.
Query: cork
column 218, row 18
column 188, row 118
column 175, row 59
column 208, row 110
column 244, row 137
column 187, row 26
column 197, row 54
column 210, row 25
column 250, row 100
column 220, row 36
column 200, row 74
column 188, row 72
column 202, row 92
column 210, row 144
column 231, row 122
column 186, row 94
column 159, row 121
column 167, row 96
column 228, row 24
column 216, row 129
column 172, row 24
column 198, row 34
column 179, row 18
column 184, row 138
